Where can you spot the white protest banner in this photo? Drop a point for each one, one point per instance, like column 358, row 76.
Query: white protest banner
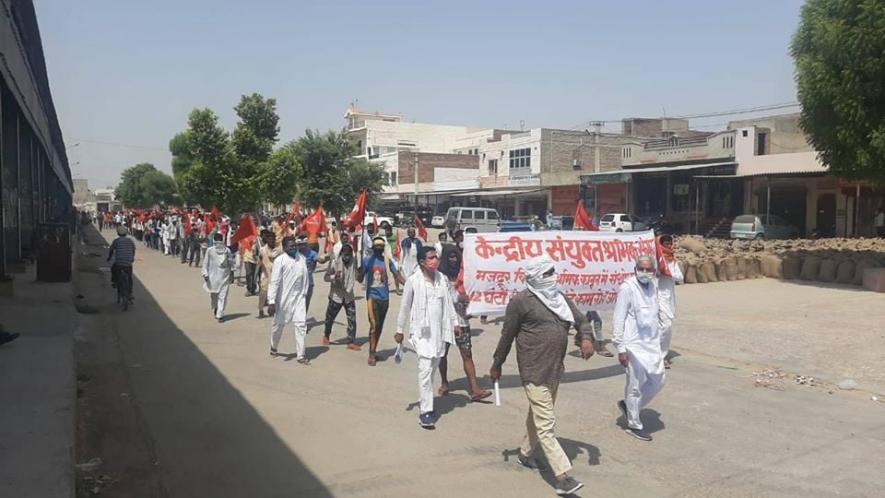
column 590, row 266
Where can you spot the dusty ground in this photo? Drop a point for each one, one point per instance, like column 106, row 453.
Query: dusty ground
column 222, row 418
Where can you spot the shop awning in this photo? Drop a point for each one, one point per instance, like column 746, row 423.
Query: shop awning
column 488, row 193
column 622, row 174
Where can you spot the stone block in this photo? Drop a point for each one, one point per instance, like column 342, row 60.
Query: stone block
column 874, row 279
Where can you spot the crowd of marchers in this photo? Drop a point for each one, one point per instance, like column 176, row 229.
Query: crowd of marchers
column 277, row 258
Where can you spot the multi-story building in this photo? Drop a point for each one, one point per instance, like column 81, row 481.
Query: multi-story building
column 699, row 181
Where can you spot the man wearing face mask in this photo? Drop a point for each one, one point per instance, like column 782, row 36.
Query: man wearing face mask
column 410, row 246
column 287, row 297
column 539, row 319
column 376, row 269
column 311, row 257
column 637, row 336
column 266, row 256
column 342, row 274
column 217, row 267
column 427, row 313
column 667, row 294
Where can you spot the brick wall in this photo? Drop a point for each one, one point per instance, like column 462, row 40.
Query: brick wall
column 427, row 162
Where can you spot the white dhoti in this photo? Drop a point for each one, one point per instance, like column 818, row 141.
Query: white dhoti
column 216, row 278
column 219, row 301
column 299, row 328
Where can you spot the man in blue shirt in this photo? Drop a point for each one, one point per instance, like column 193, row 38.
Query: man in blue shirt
column 376, row 269
column 312, row 259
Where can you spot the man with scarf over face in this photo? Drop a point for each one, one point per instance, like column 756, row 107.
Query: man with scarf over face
column 637, row 335
column 667, row 294
column 427, row 314
column 539, row 319
column 217, row 267
column 450, row 266
column 342, row 275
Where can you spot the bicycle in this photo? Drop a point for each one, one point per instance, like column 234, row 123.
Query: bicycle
column 124, row 288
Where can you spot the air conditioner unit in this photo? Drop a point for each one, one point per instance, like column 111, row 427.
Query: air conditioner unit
column 576, row 164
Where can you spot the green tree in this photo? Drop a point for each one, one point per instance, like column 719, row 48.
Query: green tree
column 143, row 186
column 331, row 175
column 839, row 50
column 281, row 175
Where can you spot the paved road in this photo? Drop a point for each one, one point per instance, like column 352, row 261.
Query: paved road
column 225, row 419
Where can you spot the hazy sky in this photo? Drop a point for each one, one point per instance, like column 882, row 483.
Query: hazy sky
column 126, row 73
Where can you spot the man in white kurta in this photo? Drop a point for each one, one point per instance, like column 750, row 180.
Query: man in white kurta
column 427, row 314
column 216, row 269
column 287, row 297
column 667, row 295
column 409, row 249
column 637, row 336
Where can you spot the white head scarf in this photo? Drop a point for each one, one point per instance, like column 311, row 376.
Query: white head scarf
column 552, row 298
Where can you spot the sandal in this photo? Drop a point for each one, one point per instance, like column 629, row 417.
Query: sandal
column 443, row 390
column 480, row 395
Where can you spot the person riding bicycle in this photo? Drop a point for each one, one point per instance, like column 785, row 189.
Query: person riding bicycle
column 122, row 252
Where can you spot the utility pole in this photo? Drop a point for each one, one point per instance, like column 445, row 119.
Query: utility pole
column 416, row 184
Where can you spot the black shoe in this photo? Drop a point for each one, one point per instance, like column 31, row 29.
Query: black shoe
column 426, row 420
column 6, row 337
column 273, row 352
column 638, row 434
column 568, row 486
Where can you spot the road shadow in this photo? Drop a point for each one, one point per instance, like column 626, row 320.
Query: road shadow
column 573, row 449
column 234, row 316
column 443, row 405
column 207, row 438
column 651, row 421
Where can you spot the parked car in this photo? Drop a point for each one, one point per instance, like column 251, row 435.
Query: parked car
column 438, row 221
column 472, row 220
column 621, row 222
column 406, row 217
column 384, row 221
column 760, row 226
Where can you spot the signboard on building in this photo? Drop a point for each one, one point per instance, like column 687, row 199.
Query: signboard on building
column 590, row 266
column 524, row 181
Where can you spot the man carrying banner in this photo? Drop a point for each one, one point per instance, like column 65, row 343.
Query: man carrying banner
column 637, row 336
column 427, row 314
column 539, row 319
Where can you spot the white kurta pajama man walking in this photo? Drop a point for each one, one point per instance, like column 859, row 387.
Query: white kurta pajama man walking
column 216, row 269
column 427, row 316
column 637, row 332
column 288, row 293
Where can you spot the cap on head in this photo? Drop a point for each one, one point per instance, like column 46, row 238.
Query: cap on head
column 378, row 242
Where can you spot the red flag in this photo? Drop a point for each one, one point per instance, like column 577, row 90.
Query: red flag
column 209, row 223
column 663, row 254
column 246, row 229
column 396, row 250
column 358, row 214
column 315, row 222
column 422, row 232
column 216, row 214
column 582, row 221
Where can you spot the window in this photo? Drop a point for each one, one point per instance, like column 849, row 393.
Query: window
column 608, row 217
column 393, row 179
column 521, row 158
column 744, row 133
column 466, row 215
column 479, row 215
column 760, row 143
column 625, row 217
column 493, row 167
column 492, row 215
column 627, row 153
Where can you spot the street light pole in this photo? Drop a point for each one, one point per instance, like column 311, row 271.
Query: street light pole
column 416, row 184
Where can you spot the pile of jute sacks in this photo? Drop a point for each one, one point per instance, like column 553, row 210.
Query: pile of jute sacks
column 840, row 261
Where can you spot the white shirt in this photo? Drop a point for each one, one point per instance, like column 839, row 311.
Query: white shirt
column 667, row 294
column 636, row 324
column 217, row 267
column 427, row 314
column 288, row 288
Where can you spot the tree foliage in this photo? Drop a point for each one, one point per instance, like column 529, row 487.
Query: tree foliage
column 236, row 171
column 143, row 186
column 839, row 50
column 330, row 175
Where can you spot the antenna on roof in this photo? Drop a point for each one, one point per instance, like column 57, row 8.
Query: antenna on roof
column 664, row 111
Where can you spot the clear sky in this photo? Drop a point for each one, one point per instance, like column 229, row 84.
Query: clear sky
column 129, row 72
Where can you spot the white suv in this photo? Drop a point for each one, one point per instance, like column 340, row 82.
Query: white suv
column 620, row 222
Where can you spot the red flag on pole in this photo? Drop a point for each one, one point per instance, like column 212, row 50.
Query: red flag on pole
column 663, row 256
column 582, row 221
column 216, row 214
column 315, row 222
column 422, row 232
column 246, row 229
column 358, row 213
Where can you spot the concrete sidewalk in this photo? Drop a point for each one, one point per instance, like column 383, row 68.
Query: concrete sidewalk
column 37, row 390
